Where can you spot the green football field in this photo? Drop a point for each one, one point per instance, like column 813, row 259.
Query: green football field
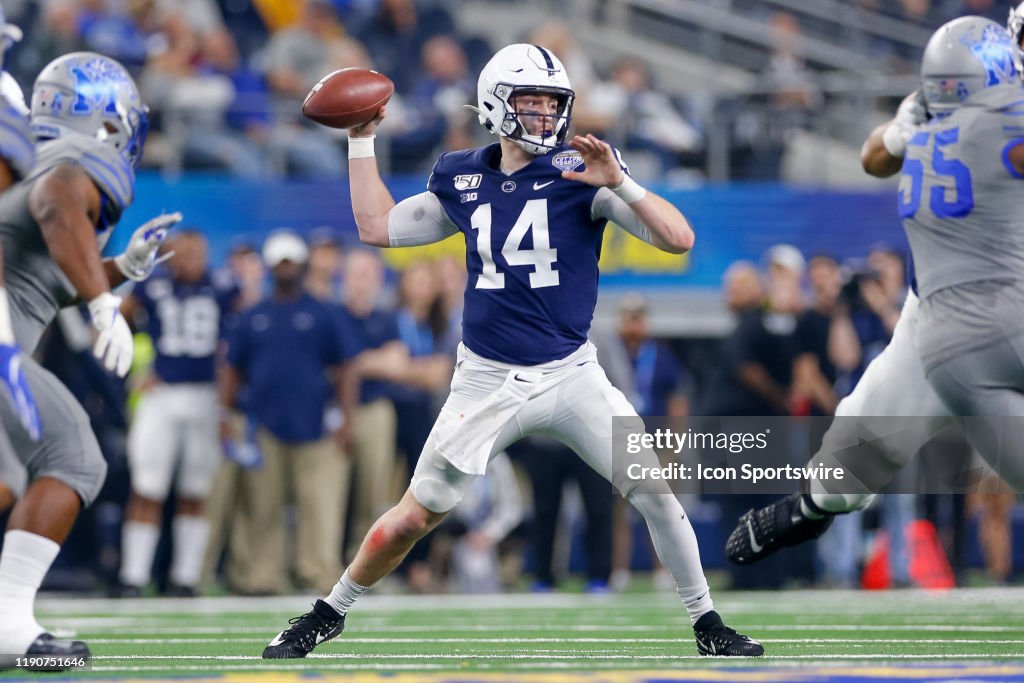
column 975, row 635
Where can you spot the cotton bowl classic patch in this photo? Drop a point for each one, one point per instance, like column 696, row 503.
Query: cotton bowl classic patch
column 568, row 160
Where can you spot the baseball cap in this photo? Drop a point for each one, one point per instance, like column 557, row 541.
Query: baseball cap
column 786, row 256
column 284, row 245
column 633, row 303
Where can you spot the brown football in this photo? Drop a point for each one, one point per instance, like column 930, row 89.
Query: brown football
column 348, row 97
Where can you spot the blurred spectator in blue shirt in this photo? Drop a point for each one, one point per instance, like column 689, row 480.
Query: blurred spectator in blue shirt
column 379, row 350
column 396, row 33
column 288, row 350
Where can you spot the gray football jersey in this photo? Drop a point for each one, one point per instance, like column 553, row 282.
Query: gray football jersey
column 17, row 144
column 960, row 197
column 35, row 285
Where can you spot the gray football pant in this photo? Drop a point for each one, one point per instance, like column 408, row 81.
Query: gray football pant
column 12, row 472
column 986, row 388
column 68, row 450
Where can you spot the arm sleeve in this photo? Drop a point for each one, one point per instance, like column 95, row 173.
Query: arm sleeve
column 419, row 220
column 608, row 205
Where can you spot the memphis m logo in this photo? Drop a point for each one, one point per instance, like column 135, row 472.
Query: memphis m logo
column 995, row 52
column 96, row 87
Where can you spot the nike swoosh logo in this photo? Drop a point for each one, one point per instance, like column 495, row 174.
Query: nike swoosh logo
column 541, row 186
column 277, row 640
column 754, row 545
column 520, row 379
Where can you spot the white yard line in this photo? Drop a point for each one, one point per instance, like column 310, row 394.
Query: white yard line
column 838, row 602
column 552, row 657
column 397, row 641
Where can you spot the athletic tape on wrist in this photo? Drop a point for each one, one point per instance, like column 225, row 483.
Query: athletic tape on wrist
column 361, row 148
column 629, row 190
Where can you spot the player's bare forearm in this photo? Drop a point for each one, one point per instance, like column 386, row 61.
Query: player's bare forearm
column 65, row 204
column 670, row 231
column 875, row 158
column 114, row 275
column 371, row 201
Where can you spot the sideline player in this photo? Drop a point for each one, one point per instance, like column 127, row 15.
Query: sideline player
column 174, row 432
column 91, row 125
column 532, row 211
column 900, row 382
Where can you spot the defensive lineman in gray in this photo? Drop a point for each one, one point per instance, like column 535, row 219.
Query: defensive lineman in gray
column 959, row 201
column 90, row 122
column 960, row 172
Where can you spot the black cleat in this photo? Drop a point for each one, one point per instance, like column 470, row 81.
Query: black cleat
column 761, row 532
column 47, row 653
column 307, row 631
column 124, row 590
column 177, row 590
column 715, row 639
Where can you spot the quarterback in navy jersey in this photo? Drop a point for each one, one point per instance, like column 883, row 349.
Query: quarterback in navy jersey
column 174, row 431
column 532, row 211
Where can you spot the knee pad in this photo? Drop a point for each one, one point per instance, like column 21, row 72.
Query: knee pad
column 437, row 485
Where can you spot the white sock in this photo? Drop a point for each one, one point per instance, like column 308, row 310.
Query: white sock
column 676, row 545
column 191, row 533
column 138, row 546
column 24, row 562
column 344, row 593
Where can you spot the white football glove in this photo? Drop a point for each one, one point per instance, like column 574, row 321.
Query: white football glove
column 139, row 259
column 115, row 345
column 911, row 114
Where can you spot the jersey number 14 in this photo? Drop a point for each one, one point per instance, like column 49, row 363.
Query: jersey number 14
column 534, row 217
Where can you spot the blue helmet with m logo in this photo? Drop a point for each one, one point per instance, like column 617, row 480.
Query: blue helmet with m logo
column 85, row 93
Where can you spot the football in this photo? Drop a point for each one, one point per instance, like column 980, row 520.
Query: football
column 348, row 97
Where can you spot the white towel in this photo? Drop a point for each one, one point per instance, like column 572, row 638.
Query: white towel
column 470, row 434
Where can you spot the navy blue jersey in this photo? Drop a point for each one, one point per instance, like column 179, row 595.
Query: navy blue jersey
column 185, row 321
column 532, row 246
column 285, row 349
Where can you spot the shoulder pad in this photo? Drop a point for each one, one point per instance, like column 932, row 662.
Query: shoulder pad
column 107, row 167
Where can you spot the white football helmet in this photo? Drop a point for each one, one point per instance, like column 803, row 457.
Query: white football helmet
column 87, row 93
column 518, row 70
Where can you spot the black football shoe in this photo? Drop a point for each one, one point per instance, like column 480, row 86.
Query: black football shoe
column 715, row 639
column 761, row 532
column 47, row 653
column 307, row 631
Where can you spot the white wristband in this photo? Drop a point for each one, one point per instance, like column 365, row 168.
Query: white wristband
column 6, row 331
column 629, row 190
column 895, row 141
column 361, row 148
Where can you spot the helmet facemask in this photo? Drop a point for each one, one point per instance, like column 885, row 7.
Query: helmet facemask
column 537, row 132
